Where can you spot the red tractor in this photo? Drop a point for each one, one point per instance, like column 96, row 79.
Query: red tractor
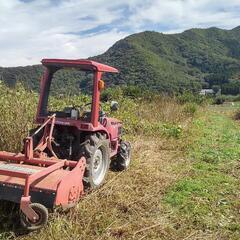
column 71, row 151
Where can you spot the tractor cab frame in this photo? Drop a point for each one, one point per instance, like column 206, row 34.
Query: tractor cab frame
column 111, row 127
column 53, row 65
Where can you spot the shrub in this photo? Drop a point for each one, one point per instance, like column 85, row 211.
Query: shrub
column 133, row 91
column 190, row 108
column 172, row 130
column 236, row 98
column 219, row 100
column 111, row 94
column 189, row 97
column 237, row 115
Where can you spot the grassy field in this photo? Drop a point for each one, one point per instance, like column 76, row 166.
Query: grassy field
column 207, row 199
column 183, row 182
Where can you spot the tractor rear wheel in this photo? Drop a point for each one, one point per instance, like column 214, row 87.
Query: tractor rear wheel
column 96, row 151
column 122, row 161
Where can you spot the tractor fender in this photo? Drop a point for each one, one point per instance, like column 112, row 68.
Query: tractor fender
column 101, row 129
column 113, row 127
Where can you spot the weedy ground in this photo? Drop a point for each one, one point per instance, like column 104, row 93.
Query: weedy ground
column 206, row 203
column 183, row 182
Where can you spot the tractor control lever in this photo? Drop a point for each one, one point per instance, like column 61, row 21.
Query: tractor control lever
column 55, row 143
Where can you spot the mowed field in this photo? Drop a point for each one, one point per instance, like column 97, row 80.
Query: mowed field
column 187, row 188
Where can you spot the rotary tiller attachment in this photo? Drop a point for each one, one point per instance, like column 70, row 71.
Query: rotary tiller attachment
column 38, row 182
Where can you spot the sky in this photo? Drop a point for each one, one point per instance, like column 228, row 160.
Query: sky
column 34, row 29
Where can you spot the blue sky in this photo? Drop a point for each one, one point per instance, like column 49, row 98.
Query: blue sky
column 34, row 29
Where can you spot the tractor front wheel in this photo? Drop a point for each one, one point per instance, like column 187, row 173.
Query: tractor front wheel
column 42, row 213
column 122, row 161
column 96, row 151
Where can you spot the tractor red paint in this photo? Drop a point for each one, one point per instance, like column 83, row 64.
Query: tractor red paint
column 70, row 151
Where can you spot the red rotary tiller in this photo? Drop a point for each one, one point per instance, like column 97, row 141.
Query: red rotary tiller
column 70, row 151
column 34, row 177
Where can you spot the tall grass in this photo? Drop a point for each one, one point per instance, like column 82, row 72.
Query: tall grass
column 154, row 117
column 159, row 115
column 17, row 108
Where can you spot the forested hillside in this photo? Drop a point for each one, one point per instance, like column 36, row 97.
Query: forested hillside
column 165, row 62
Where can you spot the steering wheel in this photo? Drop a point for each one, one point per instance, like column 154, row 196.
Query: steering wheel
column 83, row 107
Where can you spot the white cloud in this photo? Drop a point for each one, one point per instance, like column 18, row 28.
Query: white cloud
column 183, row 14
column 50, row 28
column 59, row 46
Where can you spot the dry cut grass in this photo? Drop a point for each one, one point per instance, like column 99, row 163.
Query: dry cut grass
column 128, row 206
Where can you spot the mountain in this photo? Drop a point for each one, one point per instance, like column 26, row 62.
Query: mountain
column 166, row 62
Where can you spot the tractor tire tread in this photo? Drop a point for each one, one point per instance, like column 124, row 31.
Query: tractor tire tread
column 88, row 151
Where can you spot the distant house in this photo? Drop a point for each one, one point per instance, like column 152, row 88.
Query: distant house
column 206, row 92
